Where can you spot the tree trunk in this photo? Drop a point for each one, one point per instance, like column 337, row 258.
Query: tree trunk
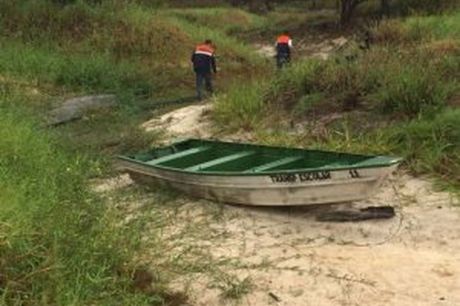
column 385, row 8
column 237, row 2
column 257, row 6
column 269, row 5
column 347, row 8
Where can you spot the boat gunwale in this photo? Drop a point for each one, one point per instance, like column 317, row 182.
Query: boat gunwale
column 391, row 161
column 341, row 181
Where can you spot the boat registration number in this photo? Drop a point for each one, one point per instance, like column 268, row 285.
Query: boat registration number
column 301, row 177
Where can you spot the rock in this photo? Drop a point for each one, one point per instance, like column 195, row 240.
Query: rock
column 75, row 108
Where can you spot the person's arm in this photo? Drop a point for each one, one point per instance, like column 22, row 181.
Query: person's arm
column 290, row 43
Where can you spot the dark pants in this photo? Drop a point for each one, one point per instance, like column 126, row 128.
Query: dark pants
column 200, row 79
column 282, row 59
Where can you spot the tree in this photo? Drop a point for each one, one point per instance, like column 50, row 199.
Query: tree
column 385, row 8
column 347, row 7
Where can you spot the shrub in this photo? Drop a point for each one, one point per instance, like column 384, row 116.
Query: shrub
column 396, row 81
column 427, row 6
column 241, row 107
column 91, row 72
column 412, row 89
column 42, row 21
column 432, row 146
column 290, row 84
column 56, row 246
column 390, row 32
column 225, row 19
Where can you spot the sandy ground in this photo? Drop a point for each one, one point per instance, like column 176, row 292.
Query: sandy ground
column 412, row 259
column 236, row 255
column 290, row 258
column 191, row 121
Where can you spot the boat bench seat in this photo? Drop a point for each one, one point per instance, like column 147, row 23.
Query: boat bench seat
column 332, row 165
column 274, row 164
column 219, row 161
column 177, row 155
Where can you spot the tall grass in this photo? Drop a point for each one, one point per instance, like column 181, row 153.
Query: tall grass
column 94, row 72
column 234, row 55
column 113, row 46
column 432, row 146
column 416, row 29
column 242, row 107
column 413, row 90
column 58, row 244
column 228, row 20
column 437, row 26
column 408, row 76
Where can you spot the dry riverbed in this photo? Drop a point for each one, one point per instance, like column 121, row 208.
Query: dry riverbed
column 234, row 255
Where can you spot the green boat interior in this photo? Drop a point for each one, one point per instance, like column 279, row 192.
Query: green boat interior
column 206, row 156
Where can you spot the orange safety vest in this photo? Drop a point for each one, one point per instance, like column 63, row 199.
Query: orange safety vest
column 204, row 49
column 283, row 39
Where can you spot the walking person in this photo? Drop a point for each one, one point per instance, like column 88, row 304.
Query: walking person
column 283, row 49
column 204, row 63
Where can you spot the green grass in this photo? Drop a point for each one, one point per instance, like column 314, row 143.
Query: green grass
column 228, row 20
column 428, row 145
column 242, row 107
column 407, row 78
column 417, row 29
column 235, row 59
column 62, row 244
column 59, row 244
column 138, row 52
column 404, row 85
column 431, row 146
column 87, row 49
column 78, row 73
column 438, row 26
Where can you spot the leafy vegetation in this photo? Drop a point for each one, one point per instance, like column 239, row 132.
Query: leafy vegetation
column 409, row 76
column 432, row 145
column 82, row 46
column 62, row 244
column 59, row 242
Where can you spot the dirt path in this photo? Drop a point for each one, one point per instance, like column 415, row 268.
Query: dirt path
column 234, row 255
column 321, row 50
column 191, row 121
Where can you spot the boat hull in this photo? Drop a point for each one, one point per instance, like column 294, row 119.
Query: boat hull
column 293, row 189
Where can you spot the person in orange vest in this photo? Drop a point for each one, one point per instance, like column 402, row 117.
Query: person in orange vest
column 283, row 49
column 204, row 63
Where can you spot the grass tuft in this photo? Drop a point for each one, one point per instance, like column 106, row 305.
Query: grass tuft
column 432, row 146
column 58, row 244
